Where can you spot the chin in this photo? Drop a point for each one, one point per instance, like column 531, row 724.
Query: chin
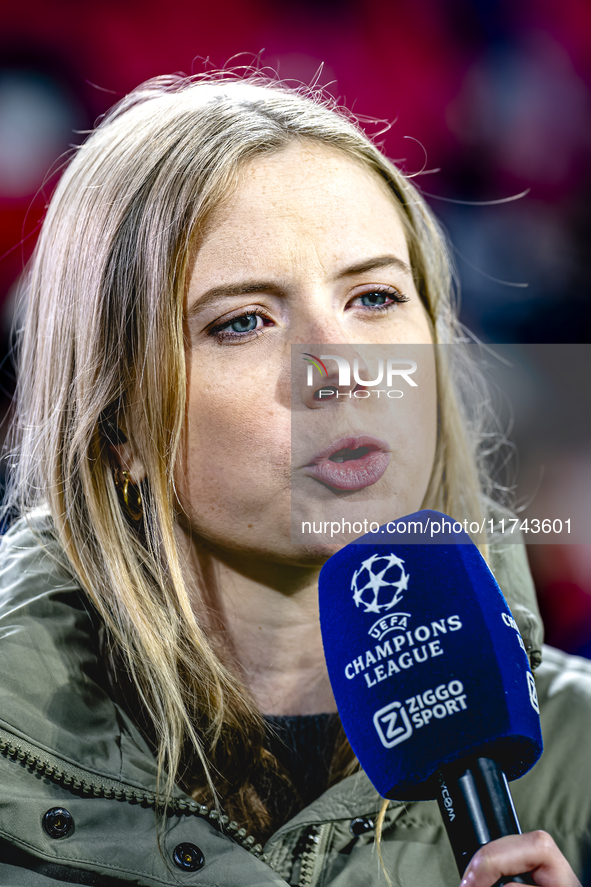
column 313, row 553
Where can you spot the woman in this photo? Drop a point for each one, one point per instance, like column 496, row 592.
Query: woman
column 160, row 635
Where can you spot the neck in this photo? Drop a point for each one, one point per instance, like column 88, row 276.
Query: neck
column 266, row 616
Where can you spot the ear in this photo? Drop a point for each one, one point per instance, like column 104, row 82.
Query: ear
column 123, row 458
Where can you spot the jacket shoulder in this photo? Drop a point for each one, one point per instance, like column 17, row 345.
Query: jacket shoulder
column 65, row 744
column 556, row 793
column 53, row 695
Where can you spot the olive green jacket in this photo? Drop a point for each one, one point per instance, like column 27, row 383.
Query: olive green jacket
column 72, row 763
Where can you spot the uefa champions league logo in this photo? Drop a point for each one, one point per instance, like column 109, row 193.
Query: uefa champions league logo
column 379, row 582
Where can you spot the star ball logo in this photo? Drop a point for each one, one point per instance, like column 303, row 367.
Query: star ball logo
column 379, row 582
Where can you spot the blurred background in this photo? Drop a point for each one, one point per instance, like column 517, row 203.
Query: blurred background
column 488, row 99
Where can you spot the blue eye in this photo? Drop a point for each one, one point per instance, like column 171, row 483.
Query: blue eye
column 244, row 324
column 240, row 328
column 373, row 300
column 380, row 299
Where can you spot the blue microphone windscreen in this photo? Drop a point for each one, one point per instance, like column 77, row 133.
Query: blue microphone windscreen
column 426, row 662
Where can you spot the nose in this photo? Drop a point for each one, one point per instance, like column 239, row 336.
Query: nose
column 327, row 369
column 326, row 376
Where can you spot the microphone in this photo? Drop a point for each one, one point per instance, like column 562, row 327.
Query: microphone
column 430, row 675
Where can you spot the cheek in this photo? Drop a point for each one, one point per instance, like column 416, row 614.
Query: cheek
column 414, row 430
column 236, row 443
column 422, row 418
column 412, row 419
column 427, row 422
column 427, row 434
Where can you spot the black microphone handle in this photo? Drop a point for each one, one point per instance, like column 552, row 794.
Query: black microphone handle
column 477, row 807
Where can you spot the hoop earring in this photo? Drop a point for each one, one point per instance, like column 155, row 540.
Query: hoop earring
column 132, row 498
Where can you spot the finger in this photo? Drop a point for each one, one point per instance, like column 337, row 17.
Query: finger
column 533, row 852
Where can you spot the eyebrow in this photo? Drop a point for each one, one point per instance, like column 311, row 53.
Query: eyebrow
column 373, row 264
column 265, row 286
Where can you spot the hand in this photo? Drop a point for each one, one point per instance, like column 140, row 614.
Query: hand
column 533, row 852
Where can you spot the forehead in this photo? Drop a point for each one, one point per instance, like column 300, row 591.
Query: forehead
column 307, row 200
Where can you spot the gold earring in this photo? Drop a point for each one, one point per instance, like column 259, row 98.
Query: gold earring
column 132, row 498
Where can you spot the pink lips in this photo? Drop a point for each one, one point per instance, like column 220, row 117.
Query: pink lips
column 351, row 463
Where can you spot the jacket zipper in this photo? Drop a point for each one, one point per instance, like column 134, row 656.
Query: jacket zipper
column 315, row 846
column 77, row 780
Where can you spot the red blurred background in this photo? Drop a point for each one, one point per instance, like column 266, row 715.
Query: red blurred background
column 494, row 96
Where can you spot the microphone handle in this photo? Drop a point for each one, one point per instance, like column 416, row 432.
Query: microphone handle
column 477, row 807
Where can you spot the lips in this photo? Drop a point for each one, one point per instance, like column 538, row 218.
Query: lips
column 350, row 463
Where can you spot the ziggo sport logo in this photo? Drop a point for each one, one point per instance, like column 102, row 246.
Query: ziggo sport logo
column 392, row 369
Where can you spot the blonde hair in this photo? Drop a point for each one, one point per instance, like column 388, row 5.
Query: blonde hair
column 102, row 348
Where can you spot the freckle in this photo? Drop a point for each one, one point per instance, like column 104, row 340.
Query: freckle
column 250, row 526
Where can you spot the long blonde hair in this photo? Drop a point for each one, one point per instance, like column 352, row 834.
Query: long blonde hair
column 102, row 349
